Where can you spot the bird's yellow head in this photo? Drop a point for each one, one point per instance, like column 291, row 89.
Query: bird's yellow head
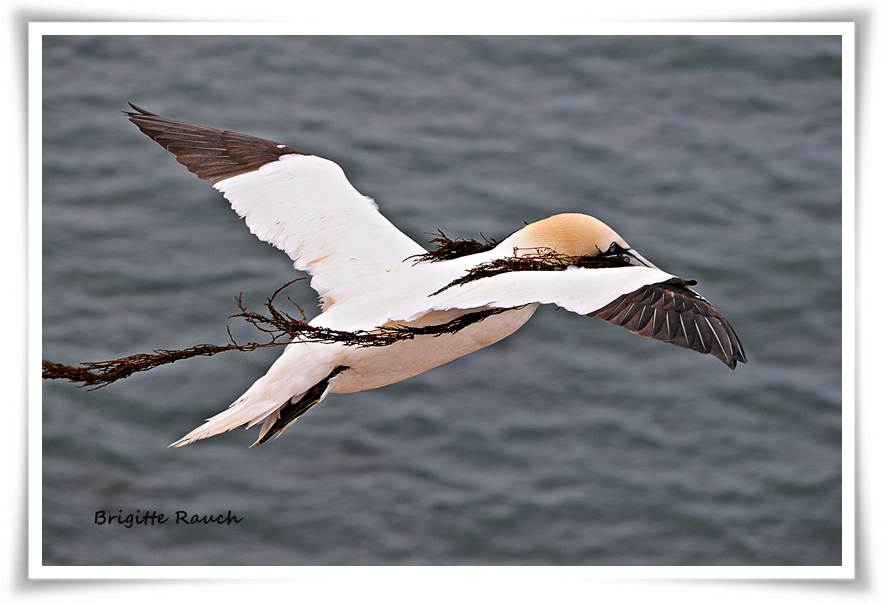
column 567, row 234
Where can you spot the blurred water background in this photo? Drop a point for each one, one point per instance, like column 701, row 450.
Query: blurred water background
column 572, row 442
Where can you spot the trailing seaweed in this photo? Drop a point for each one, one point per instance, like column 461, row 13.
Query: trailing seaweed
column 281, row 328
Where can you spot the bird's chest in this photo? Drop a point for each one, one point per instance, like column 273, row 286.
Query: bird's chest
column 371, row 368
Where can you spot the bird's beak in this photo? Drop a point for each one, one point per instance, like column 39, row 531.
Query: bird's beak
column 642, row 260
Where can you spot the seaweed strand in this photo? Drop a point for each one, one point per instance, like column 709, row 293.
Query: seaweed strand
column 537, row 259
column 282, row 329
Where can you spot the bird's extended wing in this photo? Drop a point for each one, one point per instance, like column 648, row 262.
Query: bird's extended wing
column 300, row 203
column 645, row 300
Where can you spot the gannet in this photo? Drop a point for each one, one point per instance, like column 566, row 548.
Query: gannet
column 360, row 265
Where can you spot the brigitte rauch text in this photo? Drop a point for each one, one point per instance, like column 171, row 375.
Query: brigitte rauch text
column 158, row 518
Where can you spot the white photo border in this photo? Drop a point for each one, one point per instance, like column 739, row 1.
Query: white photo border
column 379, row 575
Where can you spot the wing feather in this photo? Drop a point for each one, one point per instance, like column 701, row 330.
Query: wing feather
column 685, row 319
column 300, row 203
column 645, row 300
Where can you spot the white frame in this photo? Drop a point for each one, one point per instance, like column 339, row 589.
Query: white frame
column 378, row 575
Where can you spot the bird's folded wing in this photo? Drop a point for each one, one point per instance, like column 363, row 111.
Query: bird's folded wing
column 646, row 301
column 300, row 203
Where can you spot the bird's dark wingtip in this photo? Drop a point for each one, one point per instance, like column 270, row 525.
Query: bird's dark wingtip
column 739, row 358
column 138, row 111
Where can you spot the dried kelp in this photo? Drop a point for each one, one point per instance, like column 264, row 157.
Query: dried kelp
column 282, row 328
column 539, row 259
column 449, row 249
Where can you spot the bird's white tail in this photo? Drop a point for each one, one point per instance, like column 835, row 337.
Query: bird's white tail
column 299, row 368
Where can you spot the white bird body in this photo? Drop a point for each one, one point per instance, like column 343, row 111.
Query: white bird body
column 372, row 368
column 365, row 272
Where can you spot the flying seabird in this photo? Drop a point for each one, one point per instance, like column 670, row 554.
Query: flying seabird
column 362, row 268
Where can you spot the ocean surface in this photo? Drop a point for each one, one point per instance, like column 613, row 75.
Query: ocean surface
column 571, row 442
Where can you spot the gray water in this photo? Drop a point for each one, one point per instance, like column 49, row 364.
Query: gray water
column 572, row 442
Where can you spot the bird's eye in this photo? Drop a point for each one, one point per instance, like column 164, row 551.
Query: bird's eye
column 613, row 248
